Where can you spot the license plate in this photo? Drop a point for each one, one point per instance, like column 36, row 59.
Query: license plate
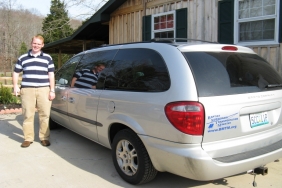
column 259, row 119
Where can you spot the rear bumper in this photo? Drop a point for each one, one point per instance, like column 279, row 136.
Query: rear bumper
column 191, row 161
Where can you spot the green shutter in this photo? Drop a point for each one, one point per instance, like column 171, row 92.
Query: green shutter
column 181, row 23
column 226, row 21
column 146, row 29
column 280, row 22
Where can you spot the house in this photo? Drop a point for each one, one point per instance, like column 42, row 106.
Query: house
column 253, row 23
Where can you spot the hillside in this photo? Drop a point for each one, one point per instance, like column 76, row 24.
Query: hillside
column 17, row 27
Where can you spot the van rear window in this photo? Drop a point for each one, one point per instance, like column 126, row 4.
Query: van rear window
column 231, row 73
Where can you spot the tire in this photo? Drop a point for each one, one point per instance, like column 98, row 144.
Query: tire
column 131, row 158
column 52, row 124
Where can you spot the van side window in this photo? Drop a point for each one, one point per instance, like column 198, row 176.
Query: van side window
column 64, row 75
column 138, row 70
column 91, row 67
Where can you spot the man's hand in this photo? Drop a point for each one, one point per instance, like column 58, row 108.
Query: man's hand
column 51, row 95
column 16, row 90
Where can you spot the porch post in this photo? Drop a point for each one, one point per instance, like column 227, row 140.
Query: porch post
column 84, row 46
column 60, row 59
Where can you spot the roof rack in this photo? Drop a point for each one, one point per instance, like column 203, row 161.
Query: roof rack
column 177, row 40
column 106, row 45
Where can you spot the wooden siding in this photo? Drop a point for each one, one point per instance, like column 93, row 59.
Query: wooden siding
column 272, row 54
column 126, row 23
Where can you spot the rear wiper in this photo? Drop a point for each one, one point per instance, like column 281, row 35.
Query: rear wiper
column 273, row 85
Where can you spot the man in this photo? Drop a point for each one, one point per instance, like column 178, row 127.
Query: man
column 37, row 90
column 87, row 78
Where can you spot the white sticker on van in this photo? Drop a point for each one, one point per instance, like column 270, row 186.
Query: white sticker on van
column 219, row 123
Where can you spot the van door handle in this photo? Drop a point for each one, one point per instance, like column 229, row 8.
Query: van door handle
column 71, row 100
column 64, row 98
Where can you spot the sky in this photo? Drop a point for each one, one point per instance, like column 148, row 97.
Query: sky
column 43, row 7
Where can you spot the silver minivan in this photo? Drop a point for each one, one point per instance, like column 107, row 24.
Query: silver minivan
column 203, row 111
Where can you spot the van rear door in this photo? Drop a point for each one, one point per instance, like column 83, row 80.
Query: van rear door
column 242, row 97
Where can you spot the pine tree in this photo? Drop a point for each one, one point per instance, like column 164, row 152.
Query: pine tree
column 56, row 25
column 23, row 48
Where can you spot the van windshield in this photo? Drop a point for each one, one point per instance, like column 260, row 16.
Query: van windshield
column 231, row 73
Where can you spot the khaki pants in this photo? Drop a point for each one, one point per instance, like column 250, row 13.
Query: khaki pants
column 39, row 98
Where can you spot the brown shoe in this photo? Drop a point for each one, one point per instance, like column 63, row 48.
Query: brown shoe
column 25, row 144
column 45, row 143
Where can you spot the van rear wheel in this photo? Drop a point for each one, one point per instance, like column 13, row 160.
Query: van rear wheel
column 131, row 158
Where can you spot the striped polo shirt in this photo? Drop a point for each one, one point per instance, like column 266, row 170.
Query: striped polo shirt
column 85, row 78
column 35, row 69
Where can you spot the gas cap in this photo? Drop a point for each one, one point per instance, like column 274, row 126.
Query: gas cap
column 111, row 106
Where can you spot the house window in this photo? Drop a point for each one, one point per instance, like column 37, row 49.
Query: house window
column 256, row 22
column 163, row 25
column 172, row 24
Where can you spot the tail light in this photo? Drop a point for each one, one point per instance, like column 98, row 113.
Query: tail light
column 187, row 117
column 230, row 48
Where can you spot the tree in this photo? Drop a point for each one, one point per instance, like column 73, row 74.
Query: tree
column 88, row 7
column 18, row 26
column 23, row 48
column 56, row 25
column 15, row 27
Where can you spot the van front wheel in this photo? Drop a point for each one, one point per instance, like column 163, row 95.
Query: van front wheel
column 131, row 158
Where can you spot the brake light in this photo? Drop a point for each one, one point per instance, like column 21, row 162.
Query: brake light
column 230, row 48
column 187, row 117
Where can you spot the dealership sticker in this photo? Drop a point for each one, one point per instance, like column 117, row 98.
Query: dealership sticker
column 217, row 123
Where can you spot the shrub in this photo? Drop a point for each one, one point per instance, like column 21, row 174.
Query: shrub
column 6, row 96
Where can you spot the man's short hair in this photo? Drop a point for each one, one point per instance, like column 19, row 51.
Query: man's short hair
column 38, row 36
column 99, row 64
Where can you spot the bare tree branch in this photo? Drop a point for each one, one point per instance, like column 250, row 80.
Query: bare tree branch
column 87, row 7
column 15, row 28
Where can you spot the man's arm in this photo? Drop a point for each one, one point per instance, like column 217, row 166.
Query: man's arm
column 73, row 81
column 76, row 76
column 51, row 80
column 15, row 83
column 52, row 85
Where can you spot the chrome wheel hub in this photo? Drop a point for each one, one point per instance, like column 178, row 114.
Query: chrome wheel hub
column 127, row 157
